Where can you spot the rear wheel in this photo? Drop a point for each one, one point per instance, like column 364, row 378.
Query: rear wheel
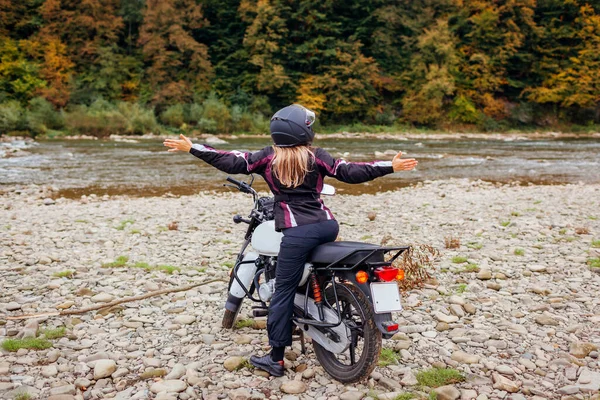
column 359, row 360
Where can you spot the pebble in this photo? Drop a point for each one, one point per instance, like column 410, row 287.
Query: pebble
column 293, row 387
column 171, row 386
column 447, row 392
column 465, row 358
column 104, row 368
column 102, row 298
column 185, row 319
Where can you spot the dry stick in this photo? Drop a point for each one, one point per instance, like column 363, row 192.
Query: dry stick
column 113, row 303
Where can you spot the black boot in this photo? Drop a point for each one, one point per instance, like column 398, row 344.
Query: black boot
column 265, row 363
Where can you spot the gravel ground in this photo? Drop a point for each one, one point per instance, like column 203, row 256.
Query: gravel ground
column 515, row 308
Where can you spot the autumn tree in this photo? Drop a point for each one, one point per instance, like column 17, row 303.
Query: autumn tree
column 177, row 66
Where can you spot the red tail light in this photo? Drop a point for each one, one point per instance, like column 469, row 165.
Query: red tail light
column 386, row 274
column 392, row 327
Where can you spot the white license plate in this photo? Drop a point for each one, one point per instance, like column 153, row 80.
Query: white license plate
column 386, row 297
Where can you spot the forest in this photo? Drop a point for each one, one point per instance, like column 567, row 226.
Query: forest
column 102, row 67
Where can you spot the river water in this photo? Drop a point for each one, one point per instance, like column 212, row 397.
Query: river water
column 144, row 168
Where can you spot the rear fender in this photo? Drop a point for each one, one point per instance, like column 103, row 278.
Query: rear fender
column 380, row 319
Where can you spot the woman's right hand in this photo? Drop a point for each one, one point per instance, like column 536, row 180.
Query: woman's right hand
column 403, row 164
column 184, row 144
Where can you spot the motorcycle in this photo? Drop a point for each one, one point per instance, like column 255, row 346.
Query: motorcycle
column 343, row 302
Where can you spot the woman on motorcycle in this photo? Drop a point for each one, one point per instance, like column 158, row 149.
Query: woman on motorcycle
column 294, row 171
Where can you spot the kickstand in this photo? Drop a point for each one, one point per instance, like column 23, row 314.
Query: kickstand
column 302, row 343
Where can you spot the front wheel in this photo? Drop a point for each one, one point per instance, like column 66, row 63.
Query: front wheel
column 359, row 360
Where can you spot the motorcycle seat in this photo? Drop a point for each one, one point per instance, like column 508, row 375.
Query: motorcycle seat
column 330, row 252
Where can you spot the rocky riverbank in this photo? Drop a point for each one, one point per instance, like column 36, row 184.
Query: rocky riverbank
column 514, row 308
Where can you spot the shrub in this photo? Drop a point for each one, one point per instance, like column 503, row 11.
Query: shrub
column 100, row 119
column 12, row 117
column 436, row 377
column 140, row 120
column 215, row 110
column 193, row 113
column 173, row 116
column 42, row 116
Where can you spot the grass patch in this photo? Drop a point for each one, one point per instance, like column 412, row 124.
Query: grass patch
column 201, row 270
column 459, row 259
column 436, row 377
column 519, row 252
column 366, row 237
column 135, row 231
column 562, row 231
column 121, row 261
column 245, row 364
column 475, row 245
column 387, row 357
column 505, row 223
column 22, row 396
column 167, row 269
column 596, row 243
column 592, row 218
column 54, row 333
column 64, row 274
column 471, row 268
column 460, row 289
column 244, row 323
column 594, row 262
column 228, row 264
column 124, row 223
column 515, row 214
column 29, row 343
column 162, row 228
column 537, row 202
column 83, row 221
column 404, row 396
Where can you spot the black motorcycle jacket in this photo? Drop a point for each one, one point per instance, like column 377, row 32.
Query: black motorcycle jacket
column 301, row 205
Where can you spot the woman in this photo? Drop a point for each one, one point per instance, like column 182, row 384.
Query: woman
column 294, row 171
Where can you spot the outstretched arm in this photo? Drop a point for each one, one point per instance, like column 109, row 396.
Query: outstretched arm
column 232, row 162
column 358, row 172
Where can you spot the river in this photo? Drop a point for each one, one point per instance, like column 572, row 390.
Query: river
column 144, row 168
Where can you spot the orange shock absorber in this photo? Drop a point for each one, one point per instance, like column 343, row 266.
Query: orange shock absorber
column 317, row 295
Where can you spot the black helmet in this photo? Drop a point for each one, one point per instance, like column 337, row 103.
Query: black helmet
column 292, row 126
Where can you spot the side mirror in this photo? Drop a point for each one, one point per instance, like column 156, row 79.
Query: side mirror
column 328, row 190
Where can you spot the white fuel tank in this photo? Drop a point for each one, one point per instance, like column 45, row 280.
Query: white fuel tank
column 265, row 240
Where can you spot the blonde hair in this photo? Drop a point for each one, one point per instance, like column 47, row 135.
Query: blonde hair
column 291, row 164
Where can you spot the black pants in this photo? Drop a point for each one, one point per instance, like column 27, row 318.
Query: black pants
column 296, row 244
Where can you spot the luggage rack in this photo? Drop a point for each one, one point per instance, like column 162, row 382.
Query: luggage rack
column 339, row 266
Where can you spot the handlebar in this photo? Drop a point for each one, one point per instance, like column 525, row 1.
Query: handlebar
column 235, row 182
column 242, row 186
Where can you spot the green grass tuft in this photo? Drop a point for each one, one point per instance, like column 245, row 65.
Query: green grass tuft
column 596, row 243
column 471, row 268
column 593, row 218
column 245, row 364
column 22, row 396
column 404, row 396
column 135, row 231
column 505, row 223
column 475, row 245
column 387, row 357
column 64, row 274
column 537, row 202
column 461, row 288
column 244, row 323
column 168, row 269
column 515, row 214
column 459, row 259
column 366, row 237
column 121, row 261
column 519, row 252
column 436, row 377
column 30, row 343
column 432, row 395
column 54, row 333
column 123, row 224
column 594, row 262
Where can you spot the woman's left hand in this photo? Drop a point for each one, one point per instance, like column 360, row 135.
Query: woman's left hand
column 184, row 144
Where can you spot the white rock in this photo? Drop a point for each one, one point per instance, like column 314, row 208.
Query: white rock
column 293, row 387
column 465, row 358
column 104, row 368
column 102, row 298
column 185, row 319
column 171, row 386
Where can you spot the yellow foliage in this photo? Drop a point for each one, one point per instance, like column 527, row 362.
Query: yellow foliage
column 310, row 95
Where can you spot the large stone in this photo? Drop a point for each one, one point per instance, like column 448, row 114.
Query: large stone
column 293, row 387
column 465, row 358
column 445, row 318
column 484, row 274
column 447, row 392
column 49, row 371
column 185, row 319
column 589, row 381
column 177, row 372
column 581, row 349
column 233, row 363
column 546, row 319
column 104, row 368
column 503, row 383
column 170, row 386
column 66, row 389
column 102, row 298
column 409, row 379
column 352, row 395
column 240, row 394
